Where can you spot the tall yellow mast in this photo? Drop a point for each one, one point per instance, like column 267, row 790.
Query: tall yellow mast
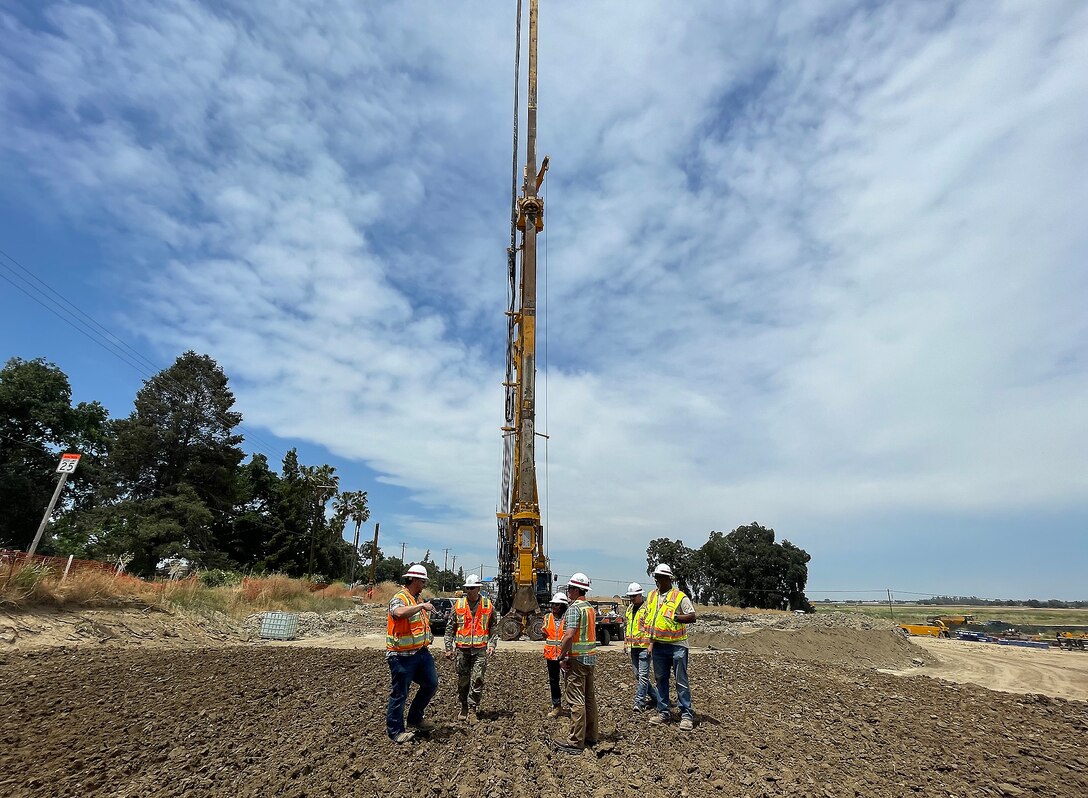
column 525, row 578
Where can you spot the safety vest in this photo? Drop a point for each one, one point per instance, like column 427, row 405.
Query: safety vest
column 585, row 642
column 636, row 634
column 408, row 634
column 660, row 611
column 472, row 628
column 553, row 635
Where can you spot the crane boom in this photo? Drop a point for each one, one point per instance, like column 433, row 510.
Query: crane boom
column 525, row 578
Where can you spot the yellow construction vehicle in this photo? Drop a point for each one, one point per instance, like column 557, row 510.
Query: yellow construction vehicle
column 935, row 629
column 524, row 581
column 1073, row 640
column 951, row 621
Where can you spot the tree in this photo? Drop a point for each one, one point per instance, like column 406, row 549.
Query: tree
column 37, row 422
column 745, row 568
column 255, row 523
column 172, row 470
column 352, row 505
column 682, row 560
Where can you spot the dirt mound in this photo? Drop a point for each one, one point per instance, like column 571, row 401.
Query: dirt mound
column 309, row 722
column 875, row 648
column 145, row 626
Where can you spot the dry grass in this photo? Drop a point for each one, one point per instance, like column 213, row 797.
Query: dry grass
column 26, row 586
column 23, row 585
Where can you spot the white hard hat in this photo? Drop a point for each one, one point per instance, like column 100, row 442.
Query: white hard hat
column 634, row 589
column 559, row 598
column 417, row 572
column 663, row 570
column 472, row 581
column 579, row 580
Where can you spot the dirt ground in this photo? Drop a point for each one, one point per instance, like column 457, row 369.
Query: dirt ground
column 1006, row 668
column 801, row 712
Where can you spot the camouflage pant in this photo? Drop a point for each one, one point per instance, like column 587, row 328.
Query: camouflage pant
column 471, row 666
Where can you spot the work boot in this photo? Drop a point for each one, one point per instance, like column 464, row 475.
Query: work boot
column 463, row 715
column 424, row 725
column 659, row 720
column 555, row 712
column 473, row 717
column 566, row 746
column 687, row 724
column 404, row 737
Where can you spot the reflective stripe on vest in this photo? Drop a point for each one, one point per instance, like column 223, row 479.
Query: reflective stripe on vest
column 585, row 641
column 407, row 634
column 636, row 634
column 553, row 636
column 472, row 628
column 662, row 610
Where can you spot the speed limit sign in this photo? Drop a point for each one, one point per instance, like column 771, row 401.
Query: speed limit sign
column 68, row 463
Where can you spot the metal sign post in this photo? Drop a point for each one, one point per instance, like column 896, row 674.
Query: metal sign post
column 66, row 466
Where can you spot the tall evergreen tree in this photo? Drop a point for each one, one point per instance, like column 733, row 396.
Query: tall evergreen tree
column 174, row 468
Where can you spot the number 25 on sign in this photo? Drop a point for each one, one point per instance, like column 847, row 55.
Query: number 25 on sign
column 68, row 463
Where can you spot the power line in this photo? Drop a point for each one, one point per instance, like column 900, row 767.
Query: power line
column 74, row 316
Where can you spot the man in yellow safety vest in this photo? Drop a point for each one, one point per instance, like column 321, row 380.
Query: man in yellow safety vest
column 472, row 629
column 668, row 612
column 407, row 640
column 578, row 658
column 636, row 641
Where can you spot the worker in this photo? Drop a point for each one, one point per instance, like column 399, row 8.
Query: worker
column 636, row 640
column 474, row 632
column 577, row 659
column 553, row 640
column 407, row 643
column 668, row 612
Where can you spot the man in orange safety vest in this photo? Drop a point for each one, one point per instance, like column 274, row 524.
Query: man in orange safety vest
column 553, row 640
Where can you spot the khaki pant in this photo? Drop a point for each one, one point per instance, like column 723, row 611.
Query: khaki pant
column 471, row 667
column 582, row 699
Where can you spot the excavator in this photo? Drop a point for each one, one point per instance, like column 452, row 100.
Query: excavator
column 524, row 581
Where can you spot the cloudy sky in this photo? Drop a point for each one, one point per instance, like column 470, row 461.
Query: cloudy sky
column 817, row 265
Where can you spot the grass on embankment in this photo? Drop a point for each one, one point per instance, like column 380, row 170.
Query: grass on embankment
column 28, row 586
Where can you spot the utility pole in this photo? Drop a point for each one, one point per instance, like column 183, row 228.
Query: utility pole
column 445, row 559
column 374, row 554
column 891, row 610
column 67, row 465
column 454, row 562
column 402, row 545
column 355, row 549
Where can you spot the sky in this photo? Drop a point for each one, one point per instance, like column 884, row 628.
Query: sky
column 819, row 266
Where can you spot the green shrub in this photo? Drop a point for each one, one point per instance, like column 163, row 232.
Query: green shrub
column 217, row 577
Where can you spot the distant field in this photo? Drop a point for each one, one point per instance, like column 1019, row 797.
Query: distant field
column 917, row 613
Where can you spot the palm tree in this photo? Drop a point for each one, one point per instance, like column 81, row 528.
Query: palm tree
column 351, row 504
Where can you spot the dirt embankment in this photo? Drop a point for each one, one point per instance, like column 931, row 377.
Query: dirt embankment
column 150, row 627
column 309, row 722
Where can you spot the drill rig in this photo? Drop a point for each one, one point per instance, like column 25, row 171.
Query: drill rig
column 524, row 576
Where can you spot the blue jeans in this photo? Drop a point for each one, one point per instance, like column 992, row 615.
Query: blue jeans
column 670, row 659
column 418, row 668
column 640, row 666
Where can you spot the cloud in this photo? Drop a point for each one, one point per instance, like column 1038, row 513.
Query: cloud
column 808, row 264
